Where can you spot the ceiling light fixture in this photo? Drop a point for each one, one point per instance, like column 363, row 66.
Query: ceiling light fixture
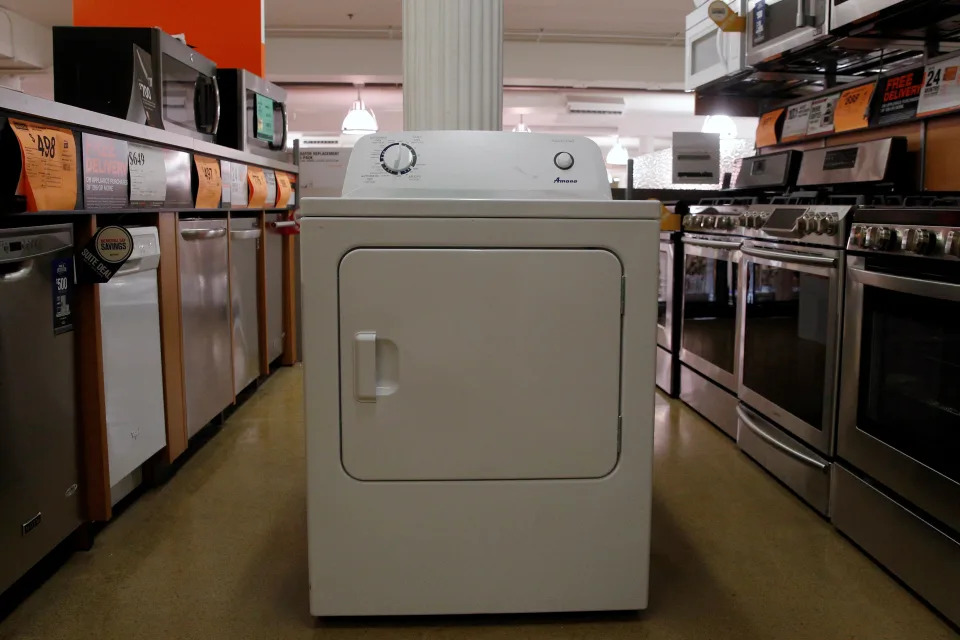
column 618, row 155
column 522, row 128
column 723, row 125
column 360, row 120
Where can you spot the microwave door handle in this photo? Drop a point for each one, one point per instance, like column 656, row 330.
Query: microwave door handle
column 283, row 137
column 208, row 118
column 216, row 105
column 803, row 18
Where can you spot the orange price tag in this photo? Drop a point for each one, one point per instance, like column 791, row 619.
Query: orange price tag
column 853, row 108
column 258, row 187
column 49, row 158
column 283, row 189
column 209, row 182
column 767, row 128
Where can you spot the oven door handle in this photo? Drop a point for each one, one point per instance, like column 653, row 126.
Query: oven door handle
column 926, row 288
column 773, row 442
column 712, row 244
column 795, row 258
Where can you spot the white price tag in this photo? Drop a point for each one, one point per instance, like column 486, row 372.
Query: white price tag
column 238, row 185
column 148, row 175
column 822, row 111
column 941, row 88
column 226, row 185
column 322, row 171
column 798, row 118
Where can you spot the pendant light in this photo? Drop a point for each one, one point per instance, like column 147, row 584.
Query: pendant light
column 618, row 156
column 522, row 128
column 360, row 120
column 722, row 125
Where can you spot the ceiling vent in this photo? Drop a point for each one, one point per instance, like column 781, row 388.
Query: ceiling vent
column 596, row 105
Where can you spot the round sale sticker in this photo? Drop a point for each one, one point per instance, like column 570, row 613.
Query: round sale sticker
column 114, row 244
column 719, row 11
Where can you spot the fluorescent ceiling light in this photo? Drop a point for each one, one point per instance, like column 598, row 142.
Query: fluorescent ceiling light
column 618, row 155
column 723, row 125
column 360, row 120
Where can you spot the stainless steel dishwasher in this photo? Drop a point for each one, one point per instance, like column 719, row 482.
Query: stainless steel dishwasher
column 205, row 310
column 244, row 243
column 39, row 501
column 274, row 248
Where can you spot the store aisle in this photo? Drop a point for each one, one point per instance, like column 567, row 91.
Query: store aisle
column 220, row 552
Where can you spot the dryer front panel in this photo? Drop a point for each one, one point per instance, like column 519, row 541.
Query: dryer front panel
column 479, row 364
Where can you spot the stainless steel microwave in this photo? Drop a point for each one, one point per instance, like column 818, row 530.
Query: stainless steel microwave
column 844, row 12
column 254, row 114
column 138, row 74
column 776, row 27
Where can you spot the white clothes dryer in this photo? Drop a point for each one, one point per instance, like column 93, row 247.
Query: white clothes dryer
column 479, row 323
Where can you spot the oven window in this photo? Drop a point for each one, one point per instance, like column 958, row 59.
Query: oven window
column 785, row 339
column 710, row 309
column 662, row 294
column 704, row 52
column 910, row 377
column 179, row 87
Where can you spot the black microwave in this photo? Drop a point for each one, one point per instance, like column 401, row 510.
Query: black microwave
column 138, row 74
column 254, row 114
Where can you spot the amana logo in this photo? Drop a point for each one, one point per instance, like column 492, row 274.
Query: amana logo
column 562, row 181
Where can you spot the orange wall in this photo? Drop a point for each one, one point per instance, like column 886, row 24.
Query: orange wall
column 229, row 32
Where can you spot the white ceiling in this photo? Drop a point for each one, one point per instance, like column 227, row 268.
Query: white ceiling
column 628, row 18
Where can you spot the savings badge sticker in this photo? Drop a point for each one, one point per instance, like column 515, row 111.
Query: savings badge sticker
column 105, row 254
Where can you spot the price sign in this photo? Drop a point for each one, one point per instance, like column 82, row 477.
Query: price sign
column 258, row 187
column 271, row 177
column 179, row 184
column 767, row 128
column 148, row 176
column 226, row 170
column 941, row 88
column 48, row 177
column 795, row 127
column 284, row 189
column 238, row 187
column 106, row 252
column 853, row 108
column 105, row 180
column 63, row 281
column 759, row 22
column 822, row 111
column 899, row 97
column 209, row 185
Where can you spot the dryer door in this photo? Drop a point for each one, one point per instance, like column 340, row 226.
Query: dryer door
column 479, row 364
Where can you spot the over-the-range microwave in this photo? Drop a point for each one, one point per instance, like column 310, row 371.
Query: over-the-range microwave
column 776, row 27
column 254, row 114
column 844, row 12
column 138, row 74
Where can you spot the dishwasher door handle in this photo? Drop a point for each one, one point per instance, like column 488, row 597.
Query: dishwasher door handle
column 773, row 442
column 202, row 234
column 245, row 234
column 365, row 366
column 20, row 274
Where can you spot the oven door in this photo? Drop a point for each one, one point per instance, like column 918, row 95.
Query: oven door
column 790, row 337
column 711, row 54
column 709, row 336
column 900, row 421
column 665, row 295
column 844, row 12
column 775, row 27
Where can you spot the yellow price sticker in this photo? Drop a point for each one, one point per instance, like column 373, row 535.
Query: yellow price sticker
column 726, row 18
column 209, row 182
column 48, row 178
column 258, row 187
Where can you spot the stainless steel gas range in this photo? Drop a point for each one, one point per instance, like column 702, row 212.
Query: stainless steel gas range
column 896, row 489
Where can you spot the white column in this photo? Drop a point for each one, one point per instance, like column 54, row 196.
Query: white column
column 452, row 64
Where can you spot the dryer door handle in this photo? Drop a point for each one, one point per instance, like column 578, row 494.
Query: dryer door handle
column 365, row 366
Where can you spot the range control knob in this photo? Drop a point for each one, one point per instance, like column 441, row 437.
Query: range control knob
column 922, row 242
column 398, row 158
column 858, row 236
column 882, row 239
column 952, row 246
column 805, row 224
column 828, row 225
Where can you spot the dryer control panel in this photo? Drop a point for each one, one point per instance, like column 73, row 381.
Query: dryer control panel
column 476, row 164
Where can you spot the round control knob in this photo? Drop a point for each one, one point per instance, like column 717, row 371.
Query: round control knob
column 827, row 225
column 563, row 160
column 921, row 242
column 805, row 224
column 858, row 236
column 726, row 222
column 398, row 158
column 882, row 238
column 952, row 246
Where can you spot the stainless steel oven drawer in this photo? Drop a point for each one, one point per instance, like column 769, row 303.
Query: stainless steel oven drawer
column 712, row 401
column 925, row 558
column 796, row 465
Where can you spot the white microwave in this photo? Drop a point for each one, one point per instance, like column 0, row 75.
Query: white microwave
column 776, row 27
column 711, row 54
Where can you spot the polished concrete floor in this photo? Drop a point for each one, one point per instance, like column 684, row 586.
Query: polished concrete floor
column 220, row 552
